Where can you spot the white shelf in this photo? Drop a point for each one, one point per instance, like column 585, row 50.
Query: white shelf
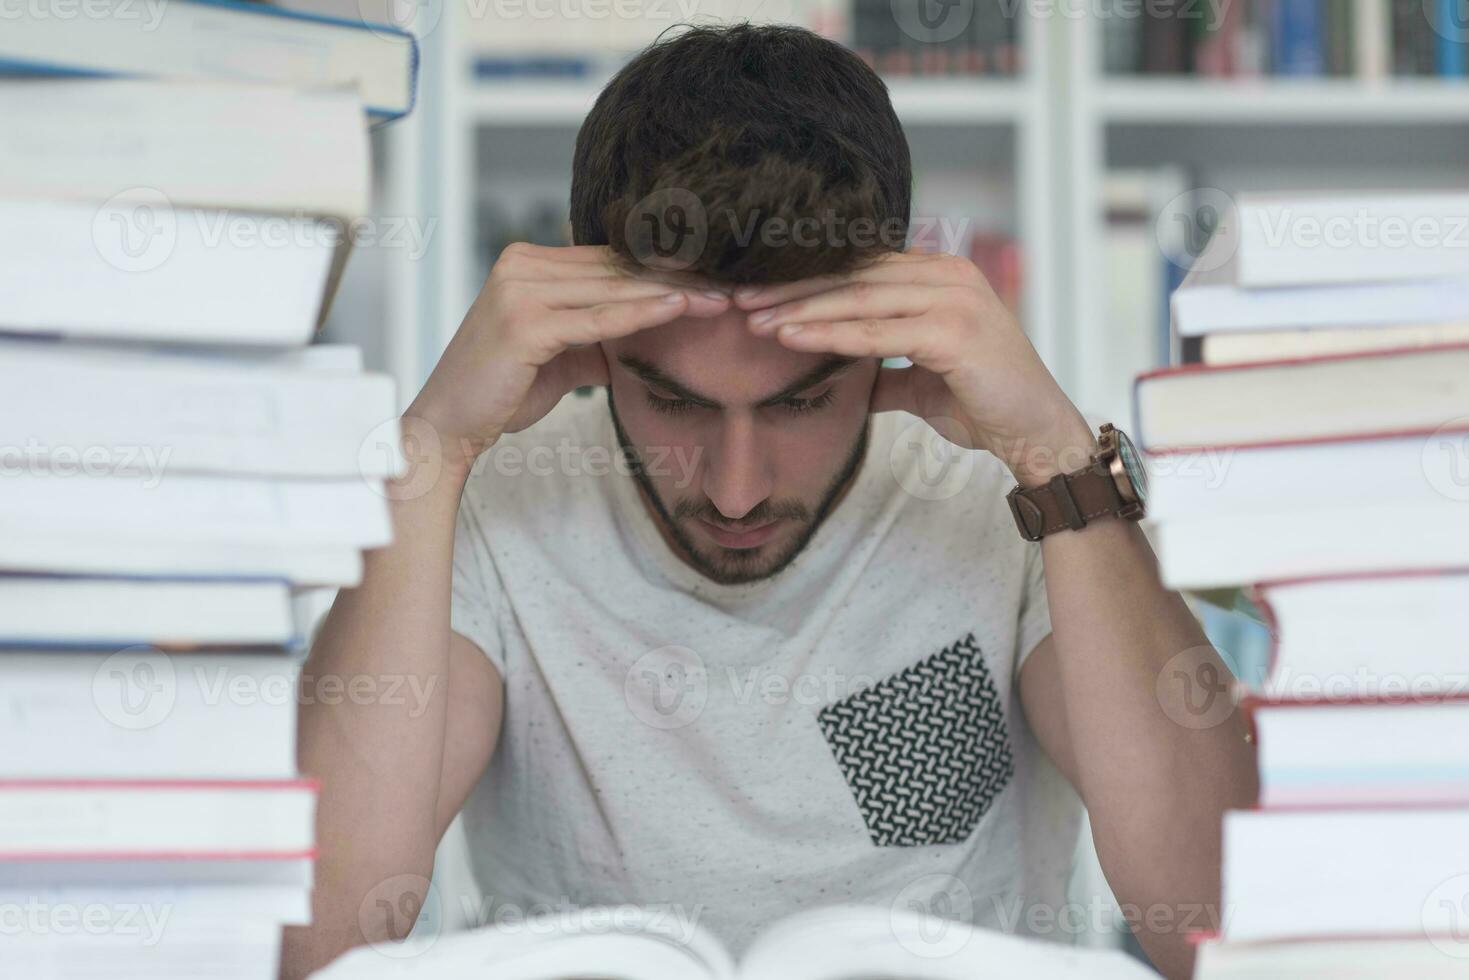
column 944, row 101
column 522, row 103
column 1265, row 101
column 961, row 101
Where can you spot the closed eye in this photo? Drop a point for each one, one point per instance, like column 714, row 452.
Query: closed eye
column 668, row 406
column 798, row 406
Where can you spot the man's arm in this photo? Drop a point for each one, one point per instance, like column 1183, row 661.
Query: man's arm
column 393, row 771
column 1156, row 788
column 1122, row 695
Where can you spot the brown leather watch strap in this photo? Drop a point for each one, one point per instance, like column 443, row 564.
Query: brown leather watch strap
column 1069, row 500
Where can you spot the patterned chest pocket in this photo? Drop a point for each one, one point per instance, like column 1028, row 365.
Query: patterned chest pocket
column 925, row 751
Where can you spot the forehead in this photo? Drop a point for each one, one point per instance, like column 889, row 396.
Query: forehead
column 716, row 356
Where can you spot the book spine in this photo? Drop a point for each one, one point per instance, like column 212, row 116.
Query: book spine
column 1252, row 49
column 1450, row 25
column 1372, row 38
column 1339, row 47
column 1121, row 41
column 1297, row 36
column 1410, row 32
column 1165, row 42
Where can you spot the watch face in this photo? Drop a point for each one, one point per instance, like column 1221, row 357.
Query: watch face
column 1137, row 474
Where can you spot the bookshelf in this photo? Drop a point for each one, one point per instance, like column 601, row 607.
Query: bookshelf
column 1227, row 135
column 1045, row 140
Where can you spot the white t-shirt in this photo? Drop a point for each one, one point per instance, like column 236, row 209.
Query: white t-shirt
column 849, row 729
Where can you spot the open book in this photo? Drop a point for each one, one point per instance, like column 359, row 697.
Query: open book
column 839, row 942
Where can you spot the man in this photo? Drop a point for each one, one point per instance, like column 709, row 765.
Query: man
column 796, row 650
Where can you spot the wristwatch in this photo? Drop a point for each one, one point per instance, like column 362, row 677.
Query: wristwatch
column 1113, row 484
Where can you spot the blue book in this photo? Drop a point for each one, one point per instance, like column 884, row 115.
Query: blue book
column 1451, row 31
column 219, row 39
column 1298, row 38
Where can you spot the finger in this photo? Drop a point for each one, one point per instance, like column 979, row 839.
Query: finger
column 910, row 337
column 608, row 321
column 520, row 261
column 570, row 294
column 852, row 302
column 895, row 267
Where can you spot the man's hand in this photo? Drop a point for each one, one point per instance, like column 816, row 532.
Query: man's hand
column 976, row 378
column 532, row 335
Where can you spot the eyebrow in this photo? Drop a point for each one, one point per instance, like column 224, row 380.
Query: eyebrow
column 653, row 375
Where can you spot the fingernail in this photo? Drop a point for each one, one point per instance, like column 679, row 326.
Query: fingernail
column 790, row 329
column 715, row 294
column 746, row 292
column 762, row 317
column 672, row 297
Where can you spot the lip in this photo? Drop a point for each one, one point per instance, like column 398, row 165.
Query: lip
column 753, row 538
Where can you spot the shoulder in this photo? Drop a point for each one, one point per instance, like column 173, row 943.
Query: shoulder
column 928, row 479
column 547, row 468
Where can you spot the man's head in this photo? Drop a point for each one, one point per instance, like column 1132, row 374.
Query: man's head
column 742, row 155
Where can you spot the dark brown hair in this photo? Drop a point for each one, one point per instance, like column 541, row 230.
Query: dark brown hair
column 757, row 153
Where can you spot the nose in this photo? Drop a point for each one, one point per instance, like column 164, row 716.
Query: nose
column 738, row 476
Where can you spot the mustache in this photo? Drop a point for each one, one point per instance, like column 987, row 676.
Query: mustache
column 762, row 513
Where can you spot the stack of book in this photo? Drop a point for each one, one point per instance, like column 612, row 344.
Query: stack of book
column 981, row 38
column 1318, row 450
column 1300, row 38
column 176, row 461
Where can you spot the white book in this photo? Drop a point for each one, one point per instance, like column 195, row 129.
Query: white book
column 1339, row 959
column 45, row 611
column 142, row 714
column 1348, row 238
column 1223, row 481
column 198, row 41
column 133, row 940
column 151, row 505
column 650, row 944
column 1213, row 300
column 1296, row 874
column 140, row 270
column 1242, row 347
column 1369, row 635
column 293, row 873
column 1227, row 517
column 82, row 820
column 1321, row 398
column 1404, row 751
column 199, row 413
column 206, row 911
column 88, row 554
column 1239, row 549
column 234, row 145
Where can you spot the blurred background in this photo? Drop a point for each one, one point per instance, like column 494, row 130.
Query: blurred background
column 1081, row 152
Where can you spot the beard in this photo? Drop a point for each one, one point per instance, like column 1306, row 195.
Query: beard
column 732, row 566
